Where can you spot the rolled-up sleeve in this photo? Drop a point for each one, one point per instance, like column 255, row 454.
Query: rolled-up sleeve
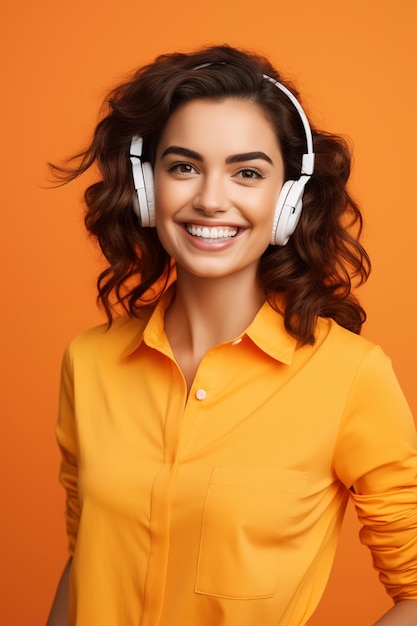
column 376, row 458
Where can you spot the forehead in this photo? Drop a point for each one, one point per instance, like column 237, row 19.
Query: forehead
column 232, row 124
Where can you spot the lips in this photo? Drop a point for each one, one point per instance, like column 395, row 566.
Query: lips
column 213, row 233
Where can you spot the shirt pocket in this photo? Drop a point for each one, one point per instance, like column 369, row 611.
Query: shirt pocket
column 247, row 514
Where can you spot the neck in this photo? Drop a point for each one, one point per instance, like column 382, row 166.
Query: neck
column 209, row 311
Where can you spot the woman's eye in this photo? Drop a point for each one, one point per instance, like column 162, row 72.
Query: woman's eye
column 182, row 168
column 250, row 173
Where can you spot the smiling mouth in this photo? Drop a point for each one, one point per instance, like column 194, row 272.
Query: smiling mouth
column 213, row 234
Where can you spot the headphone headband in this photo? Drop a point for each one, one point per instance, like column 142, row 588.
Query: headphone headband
column 307, row 166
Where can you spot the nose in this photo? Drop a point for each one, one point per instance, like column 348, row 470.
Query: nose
column 211, row 196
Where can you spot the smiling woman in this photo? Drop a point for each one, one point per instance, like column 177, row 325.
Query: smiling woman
column 213, row 432
column 231, row 181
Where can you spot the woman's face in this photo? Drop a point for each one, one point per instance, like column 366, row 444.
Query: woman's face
column 218, row 173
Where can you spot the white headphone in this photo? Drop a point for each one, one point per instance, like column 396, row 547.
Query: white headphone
column 144, row 203
column 290, row 200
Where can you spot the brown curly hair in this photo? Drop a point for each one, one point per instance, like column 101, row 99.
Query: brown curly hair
column 314, row 271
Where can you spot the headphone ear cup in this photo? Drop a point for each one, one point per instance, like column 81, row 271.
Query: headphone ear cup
column 150, row 194
column 288, row 210
column 144, row 199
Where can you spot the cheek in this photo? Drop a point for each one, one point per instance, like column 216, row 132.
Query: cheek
column 162, row 191
column 161, row 198
column 266, row 210
column 170, row 197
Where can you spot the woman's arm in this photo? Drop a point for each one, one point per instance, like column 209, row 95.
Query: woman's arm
column 59, row 611
column 404, row 613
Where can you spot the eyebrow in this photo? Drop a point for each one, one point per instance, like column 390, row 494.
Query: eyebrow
column 234, row 158
column 248, row 156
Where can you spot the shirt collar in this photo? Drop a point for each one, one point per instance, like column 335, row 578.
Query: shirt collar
column 151, row 330
column 266, row 331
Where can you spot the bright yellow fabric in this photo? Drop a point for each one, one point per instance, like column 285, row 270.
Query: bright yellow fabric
column 224, row 510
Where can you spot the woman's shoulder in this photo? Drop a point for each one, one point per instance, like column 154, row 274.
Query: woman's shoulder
column 123, row 332
column 346, row 356
column 346, row 343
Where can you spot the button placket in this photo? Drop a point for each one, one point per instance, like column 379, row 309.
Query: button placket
column 201, row 392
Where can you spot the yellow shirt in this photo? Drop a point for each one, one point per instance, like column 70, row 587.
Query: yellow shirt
column 224, row 509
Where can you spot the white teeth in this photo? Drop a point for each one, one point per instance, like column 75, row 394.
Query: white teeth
column 220, row 233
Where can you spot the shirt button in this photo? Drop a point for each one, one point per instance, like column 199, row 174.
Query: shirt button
column 236, row 341
column 200, row 394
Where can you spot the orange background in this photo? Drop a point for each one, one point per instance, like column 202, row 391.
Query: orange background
column 355, row 64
